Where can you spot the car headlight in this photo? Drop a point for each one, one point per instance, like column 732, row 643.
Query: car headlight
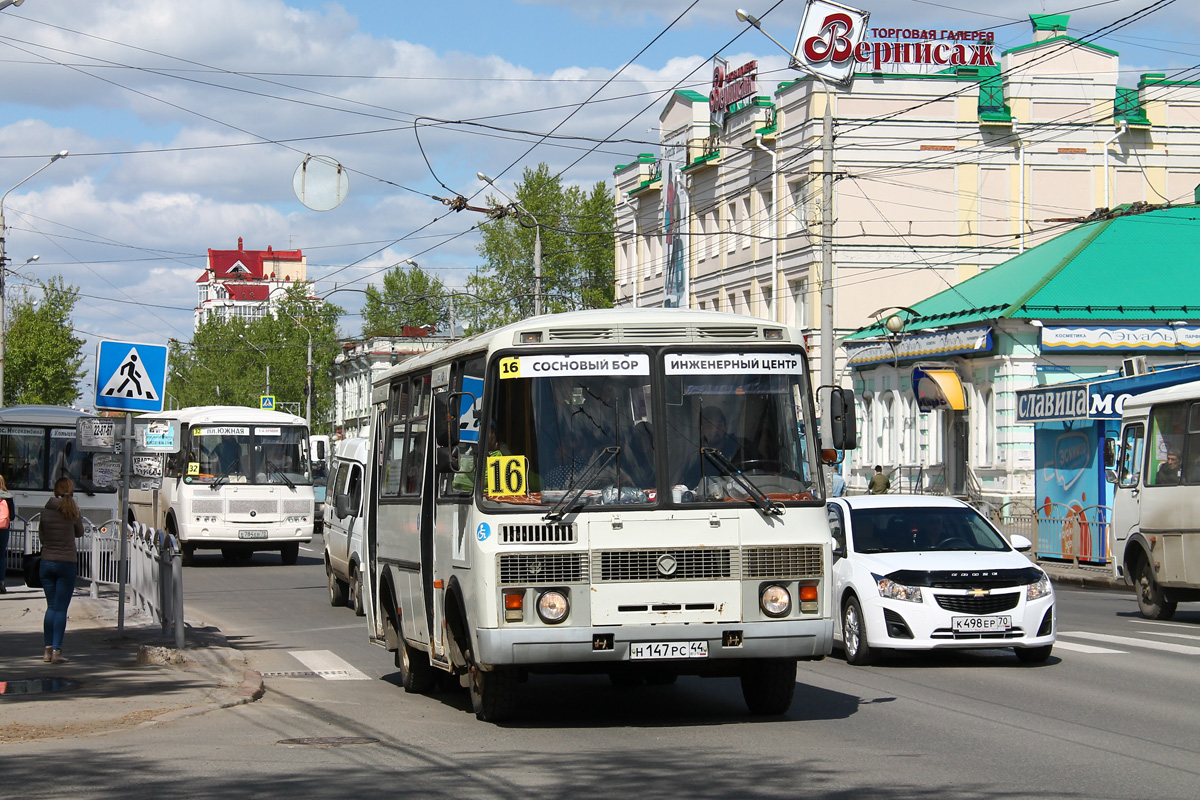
column 1040, row 589
column 553, row 607
column 775, row 601
column 897, row 591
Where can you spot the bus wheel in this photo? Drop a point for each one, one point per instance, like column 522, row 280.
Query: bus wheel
column 229, row 554
column 768, row 685
column 416, row 674
column 289, row 553
column 356, row 594
column 189, row 553
column 493, row 693
column 1152, row 600
column 337, row 589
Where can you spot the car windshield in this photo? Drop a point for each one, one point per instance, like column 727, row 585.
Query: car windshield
column 922, row 529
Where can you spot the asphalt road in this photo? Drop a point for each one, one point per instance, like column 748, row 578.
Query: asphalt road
column 1114, row 714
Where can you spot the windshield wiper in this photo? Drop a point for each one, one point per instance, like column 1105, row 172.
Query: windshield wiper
column 217, row 480
column 760, row 500
column 272, row 468
column 582, row 483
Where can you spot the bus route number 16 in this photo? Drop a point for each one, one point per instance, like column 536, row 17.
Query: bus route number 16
column 506, row 475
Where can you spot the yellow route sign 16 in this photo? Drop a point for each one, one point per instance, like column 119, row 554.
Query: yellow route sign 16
column 506, row 475
column 510, row 367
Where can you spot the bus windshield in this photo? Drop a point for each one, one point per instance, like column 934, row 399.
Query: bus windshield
column 589, row 432
column 583, row 429
column 739, row 415
column 258, row 454
column 33, row 457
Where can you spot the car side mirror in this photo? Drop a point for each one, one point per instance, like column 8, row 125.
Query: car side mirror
column 341, row 505
column 839, row 552
column 1020, row 543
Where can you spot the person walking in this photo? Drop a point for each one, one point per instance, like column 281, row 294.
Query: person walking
column 879, row 483
column 61, row 525
column 7, row 511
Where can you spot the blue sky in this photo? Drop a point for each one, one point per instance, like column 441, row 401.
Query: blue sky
column 165, row 107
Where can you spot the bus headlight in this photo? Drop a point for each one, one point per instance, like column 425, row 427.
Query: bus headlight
column 775, row 601
column 1040, row 589
column 553, row 607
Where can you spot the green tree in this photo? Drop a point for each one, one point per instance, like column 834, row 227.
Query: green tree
column 577, row 251
column 408, row 297
column 226, row 361
column 42, row 356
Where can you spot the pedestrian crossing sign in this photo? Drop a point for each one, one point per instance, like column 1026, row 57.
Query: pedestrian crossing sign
column 130, row 376
column 266, row 402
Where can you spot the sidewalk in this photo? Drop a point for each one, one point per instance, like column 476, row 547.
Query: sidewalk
column 111, row 682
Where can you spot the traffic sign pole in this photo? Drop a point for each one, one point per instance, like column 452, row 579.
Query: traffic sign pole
column 123, row 547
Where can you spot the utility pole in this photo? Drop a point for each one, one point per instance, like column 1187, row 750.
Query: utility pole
column 827, row 349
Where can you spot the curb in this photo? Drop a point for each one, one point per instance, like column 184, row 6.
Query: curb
column 1084, row 581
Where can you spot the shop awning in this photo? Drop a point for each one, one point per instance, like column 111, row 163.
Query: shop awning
column 938, row 388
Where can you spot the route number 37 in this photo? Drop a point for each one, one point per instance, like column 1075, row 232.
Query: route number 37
column 506, row 475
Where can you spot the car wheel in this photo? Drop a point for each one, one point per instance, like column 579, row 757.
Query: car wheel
column 337, row 589
column 854, row 635
column 1033, row 655
column 289, row 552
column 1151, row 599
column 356, row 595
column 768, row 685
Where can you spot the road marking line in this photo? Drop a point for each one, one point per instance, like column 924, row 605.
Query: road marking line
column 1084, row 648
column 328, row 666
column 1193, row 637
column 1169, row 647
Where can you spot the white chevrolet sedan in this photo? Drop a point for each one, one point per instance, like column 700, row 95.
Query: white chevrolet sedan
column 919, row 572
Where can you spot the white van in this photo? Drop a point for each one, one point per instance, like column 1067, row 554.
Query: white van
column 318, row 449
column 343, row 524
column 1156, row 503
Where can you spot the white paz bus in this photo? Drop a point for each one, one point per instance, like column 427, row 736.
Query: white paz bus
column 636, row 493
column 241, row 482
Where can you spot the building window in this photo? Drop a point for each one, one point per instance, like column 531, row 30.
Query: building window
column 766, row 225
column 732, row 228
column 768, row 309
column 797, row 212
column 745, row 221
column 799, row 303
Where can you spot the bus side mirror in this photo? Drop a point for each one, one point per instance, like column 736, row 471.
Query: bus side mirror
column 1110, row 475
column 341, row 505
column 839, row 428
column 1110, row 452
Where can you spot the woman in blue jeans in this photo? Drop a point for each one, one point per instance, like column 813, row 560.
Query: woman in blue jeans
column 61, row 525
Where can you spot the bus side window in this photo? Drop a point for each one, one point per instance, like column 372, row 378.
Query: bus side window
column 414, row 463
column 396, row 433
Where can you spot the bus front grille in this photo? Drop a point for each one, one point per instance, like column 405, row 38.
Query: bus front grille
column 563, row 533
column 207, row 506
column 682, row 564
column 802, row 561
column 297, row 507
column 257, row 506
column 542, row 568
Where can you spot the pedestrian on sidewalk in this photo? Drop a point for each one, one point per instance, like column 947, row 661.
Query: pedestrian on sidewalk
column 61, row 525
column 7, row 511
column 879, row 483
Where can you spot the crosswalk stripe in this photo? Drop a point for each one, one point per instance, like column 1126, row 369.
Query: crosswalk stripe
column 328, row 666
column 1129, row 641
column 1076, row 647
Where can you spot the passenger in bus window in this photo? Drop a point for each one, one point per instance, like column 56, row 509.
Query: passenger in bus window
column 229, row 455
column 1168, row 471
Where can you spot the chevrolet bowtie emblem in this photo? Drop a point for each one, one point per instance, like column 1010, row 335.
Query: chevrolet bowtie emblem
column 979, row 593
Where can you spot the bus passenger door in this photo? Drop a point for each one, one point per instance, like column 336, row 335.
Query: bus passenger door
column 1127, row 492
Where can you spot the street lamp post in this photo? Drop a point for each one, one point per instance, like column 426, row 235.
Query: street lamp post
column 537, row 244
column 3, row 261
column 827, row 344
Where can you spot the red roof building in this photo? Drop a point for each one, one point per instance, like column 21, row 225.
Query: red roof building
column 242, row 283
